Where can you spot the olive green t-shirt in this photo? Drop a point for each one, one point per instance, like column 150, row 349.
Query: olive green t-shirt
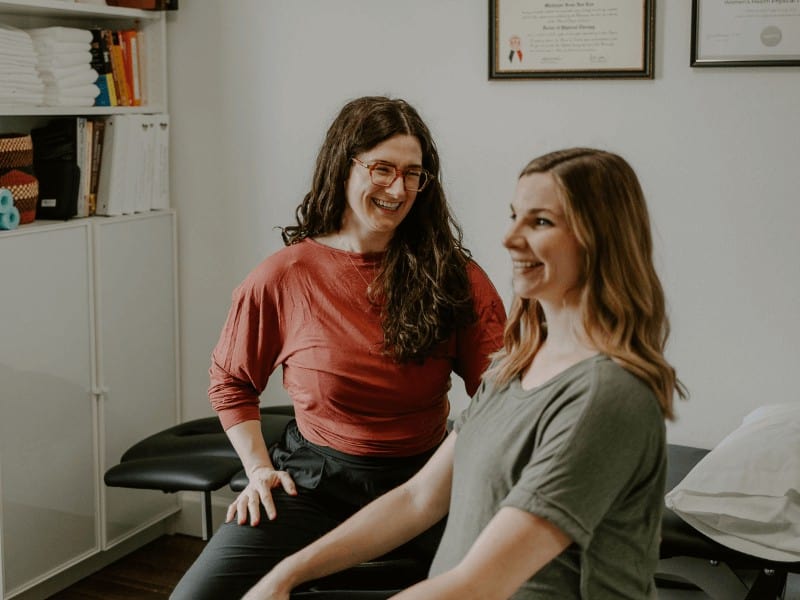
column 586, row 451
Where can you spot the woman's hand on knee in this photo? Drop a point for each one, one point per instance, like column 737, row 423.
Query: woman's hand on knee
column 259, row 492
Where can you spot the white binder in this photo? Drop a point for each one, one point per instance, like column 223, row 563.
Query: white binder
column 112, row 185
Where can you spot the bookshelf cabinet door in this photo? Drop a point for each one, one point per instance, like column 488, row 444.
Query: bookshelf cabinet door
column 47, row 411
column 137, row 366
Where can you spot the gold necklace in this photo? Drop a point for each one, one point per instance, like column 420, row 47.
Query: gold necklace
column 344, row 247
column 357, row 270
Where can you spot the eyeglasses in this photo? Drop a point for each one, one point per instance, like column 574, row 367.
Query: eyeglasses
column 384, row 174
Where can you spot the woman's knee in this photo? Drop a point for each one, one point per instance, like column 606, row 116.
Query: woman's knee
column 237, row 556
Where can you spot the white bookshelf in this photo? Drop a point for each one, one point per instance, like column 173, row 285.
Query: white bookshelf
column 26, row 14
column 65, row 8
column 89, row 360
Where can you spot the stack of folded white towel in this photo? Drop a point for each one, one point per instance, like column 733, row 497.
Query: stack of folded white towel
column 21, row 82
column 64, row 64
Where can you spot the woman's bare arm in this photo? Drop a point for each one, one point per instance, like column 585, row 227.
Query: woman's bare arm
column 382, row 525
column 511, row 549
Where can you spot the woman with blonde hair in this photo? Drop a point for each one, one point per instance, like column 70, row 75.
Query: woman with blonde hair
column 553, row 477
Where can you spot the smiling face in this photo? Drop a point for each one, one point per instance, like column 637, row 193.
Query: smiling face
column 373, row 212
column 546, row 256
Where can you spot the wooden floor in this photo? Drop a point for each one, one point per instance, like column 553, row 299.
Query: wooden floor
column 150, row 572
column 153, row 571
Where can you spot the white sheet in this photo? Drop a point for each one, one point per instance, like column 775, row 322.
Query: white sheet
column 745, row 493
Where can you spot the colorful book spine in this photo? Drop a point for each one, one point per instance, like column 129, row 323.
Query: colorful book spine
column 101, row 62
column 118, row 68
column 130, row 53
column 98, row 136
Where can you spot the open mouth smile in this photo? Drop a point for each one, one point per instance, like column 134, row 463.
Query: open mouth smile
column 520, row 265
column 386, row 205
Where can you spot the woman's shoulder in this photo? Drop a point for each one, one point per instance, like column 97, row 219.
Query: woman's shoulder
column 617, row 390
column 482, row 285
column 304, row 252
column 616, row 376
column 283, row 264
column 476, row 272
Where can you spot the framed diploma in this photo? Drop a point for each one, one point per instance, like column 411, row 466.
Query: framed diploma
column 562, row 39
column 745, row 33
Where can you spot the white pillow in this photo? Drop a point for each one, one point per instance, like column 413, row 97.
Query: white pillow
column 745, row 493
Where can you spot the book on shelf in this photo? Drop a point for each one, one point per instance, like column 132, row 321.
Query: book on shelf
column 133, row 171
column 82, row 146
column 111, row 184
column 161, row 161
column 141, row 38
column 129, row 40
column 118, row 67
column 86, row 170
column 101, row 62
column 154, row 148
column 137, row 199
column 98, row 135
column 145, row 4
column 140, row 4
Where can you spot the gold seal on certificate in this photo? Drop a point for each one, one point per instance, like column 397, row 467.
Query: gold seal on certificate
column 745, row 33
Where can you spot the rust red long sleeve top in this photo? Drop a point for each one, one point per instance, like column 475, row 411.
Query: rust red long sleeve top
column 306, row 308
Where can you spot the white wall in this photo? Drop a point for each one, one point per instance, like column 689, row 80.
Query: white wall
column 254, row 85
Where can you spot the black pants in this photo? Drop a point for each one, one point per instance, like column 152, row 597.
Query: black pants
column 331, row 487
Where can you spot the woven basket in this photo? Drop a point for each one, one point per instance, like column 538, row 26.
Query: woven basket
column 16, row 173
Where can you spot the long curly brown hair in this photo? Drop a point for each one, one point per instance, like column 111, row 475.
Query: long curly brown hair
column 422, row 287
column 622, row 300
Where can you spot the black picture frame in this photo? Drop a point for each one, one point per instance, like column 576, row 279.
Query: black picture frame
column 572, row 39
column 741, row 36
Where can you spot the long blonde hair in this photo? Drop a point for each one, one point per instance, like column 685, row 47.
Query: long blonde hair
column 622, row 300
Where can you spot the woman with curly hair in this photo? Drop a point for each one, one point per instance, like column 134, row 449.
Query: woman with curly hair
column 370, row 308
column 553, row 477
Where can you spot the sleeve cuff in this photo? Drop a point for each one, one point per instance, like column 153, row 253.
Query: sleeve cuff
column 233, row 416
column 541, row 507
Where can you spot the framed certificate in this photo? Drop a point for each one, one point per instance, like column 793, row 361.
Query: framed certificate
column 561, row 39
column 745, row 33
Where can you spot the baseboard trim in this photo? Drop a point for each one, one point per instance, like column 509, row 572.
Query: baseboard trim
column 94, row 563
